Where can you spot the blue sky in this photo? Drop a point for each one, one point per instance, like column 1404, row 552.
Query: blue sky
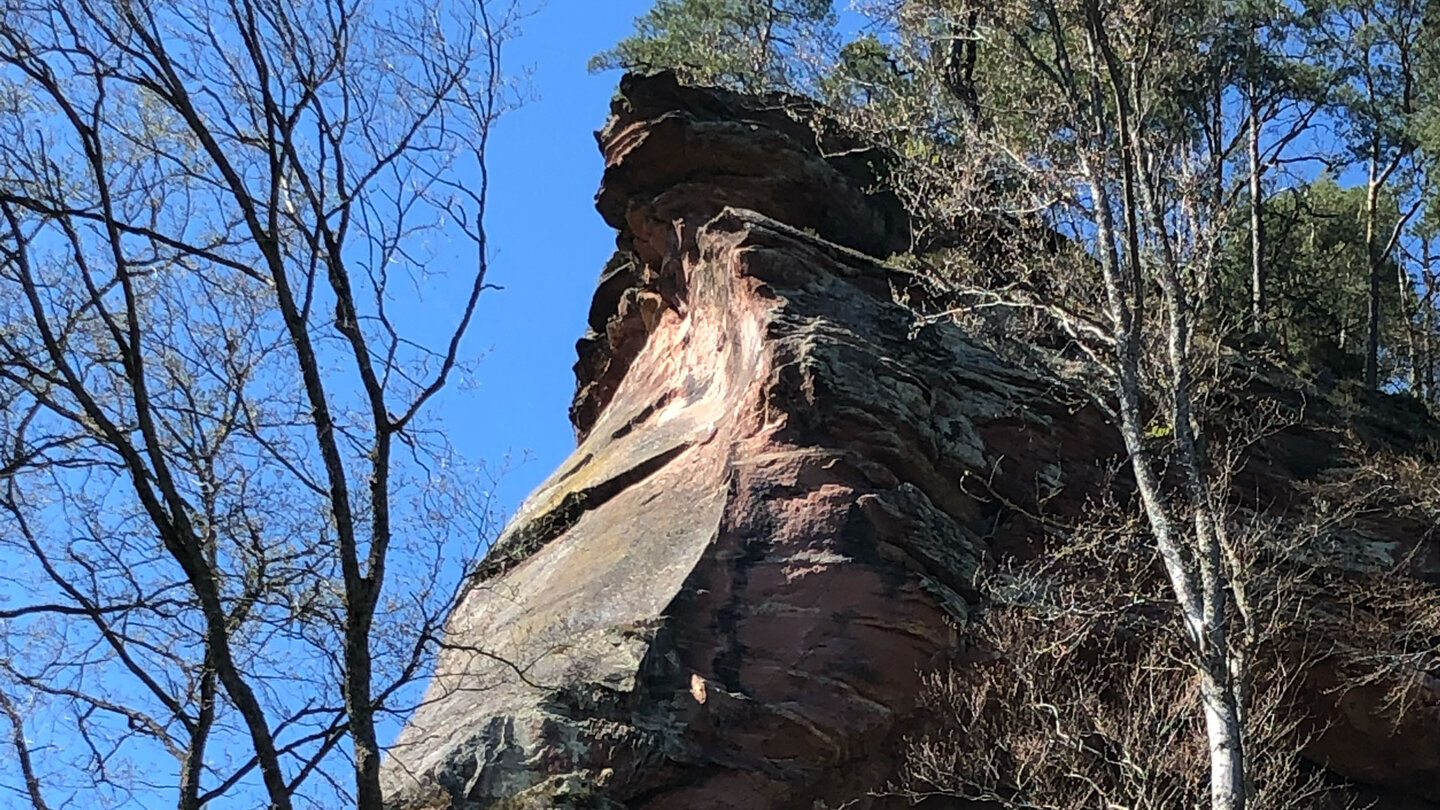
column 549, row 245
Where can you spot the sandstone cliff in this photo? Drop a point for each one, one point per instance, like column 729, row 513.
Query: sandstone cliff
column 726, row 596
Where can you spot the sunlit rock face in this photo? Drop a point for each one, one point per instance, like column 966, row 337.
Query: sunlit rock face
column 727, row 595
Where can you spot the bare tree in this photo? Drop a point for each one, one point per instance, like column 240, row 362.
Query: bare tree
column 1093, row 127
column 1079, row 688
column 231, row 530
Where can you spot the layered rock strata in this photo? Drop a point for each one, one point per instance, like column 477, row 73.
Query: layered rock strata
column 727, row 595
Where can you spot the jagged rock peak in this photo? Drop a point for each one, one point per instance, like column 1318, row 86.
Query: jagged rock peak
column 676, row 156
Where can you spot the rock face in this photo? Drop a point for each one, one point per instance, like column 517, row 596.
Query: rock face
column 726, row 596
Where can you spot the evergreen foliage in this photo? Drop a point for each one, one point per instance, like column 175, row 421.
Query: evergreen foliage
column 749, row 45
column 1318, row 276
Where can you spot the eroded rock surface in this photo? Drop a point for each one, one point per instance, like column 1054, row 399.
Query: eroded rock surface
column 726, row 596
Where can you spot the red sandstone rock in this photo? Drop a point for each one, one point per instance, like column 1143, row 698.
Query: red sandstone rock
column 724, row 598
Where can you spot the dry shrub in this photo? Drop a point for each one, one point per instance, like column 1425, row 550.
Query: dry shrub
column 1078, row 693
column 1081, row 697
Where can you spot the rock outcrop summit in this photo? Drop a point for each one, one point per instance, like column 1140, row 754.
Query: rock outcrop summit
column 728, row 595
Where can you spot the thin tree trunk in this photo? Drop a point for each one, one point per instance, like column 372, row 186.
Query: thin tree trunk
column 1412, row 362
column 1225, row 732
column 192, row 769
column 1257, row 232
column 1375, row 255
column 1219, row 694
column 21, row 747
column 1373, row 263
column 1203, row 607
column 1428, row 273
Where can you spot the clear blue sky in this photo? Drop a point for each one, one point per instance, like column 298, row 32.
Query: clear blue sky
column 549, row 244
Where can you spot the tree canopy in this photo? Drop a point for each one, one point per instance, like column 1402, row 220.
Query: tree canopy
column 750, row 45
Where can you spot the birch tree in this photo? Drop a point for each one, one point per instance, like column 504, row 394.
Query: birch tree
column 1088, row 126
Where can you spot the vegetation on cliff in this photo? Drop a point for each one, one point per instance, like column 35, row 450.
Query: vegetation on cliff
column 1155, row 203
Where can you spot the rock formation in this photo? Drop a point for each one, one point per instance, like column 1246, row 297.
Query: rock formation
column 726, row 596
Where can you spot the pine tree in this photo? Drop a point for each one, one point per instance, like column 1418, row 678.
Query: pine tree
column 748, row 45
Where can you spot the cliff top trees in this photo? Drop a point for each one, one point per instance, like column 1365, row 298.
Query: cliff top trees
column 218, row 488
column 1381, row 54
column 1318, row 274
column 750, row 45
column 1283, row 78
